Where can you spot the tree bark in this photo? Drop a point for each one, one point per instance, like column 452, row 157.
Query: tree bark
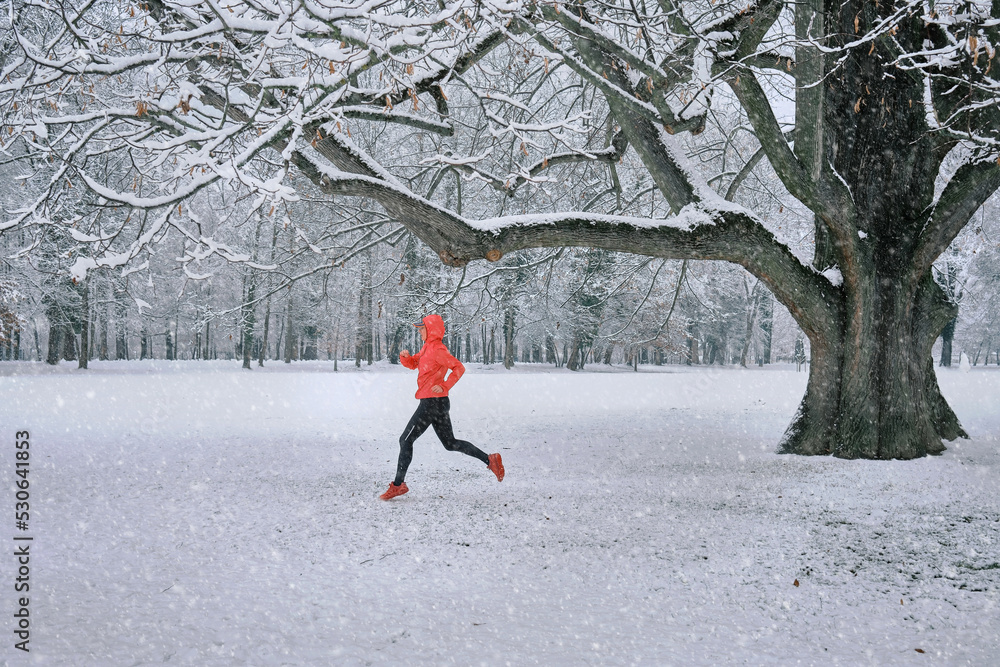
column 752, row 303
column 168, row 341
column 872, row 392
column 947, row 336
column 102, row 328
column 359, row 332
column 364, row 338
column 508, row 338
column 766, row 325
column 692, row 351
column 288, row 331
column 248, row 319
column 267, row 327
column 121, row 334
column 69, row 342
column 281, row 330
column 55, row 341
column 84, row 325
column 571, row 356
column 91, row 330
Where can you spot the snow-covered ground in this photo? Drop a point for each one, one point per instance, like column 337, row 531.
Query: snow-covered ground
column 194, row 513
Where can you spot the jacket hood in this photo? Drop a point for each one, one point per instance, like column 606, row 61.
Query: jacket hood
column 435, row 327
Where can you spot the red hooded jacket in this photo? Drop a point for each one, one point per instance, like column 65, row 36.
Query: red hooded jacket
column 433, row 361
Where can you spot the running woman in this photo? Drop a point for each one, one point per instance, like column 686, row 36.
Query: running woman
column 433, row 363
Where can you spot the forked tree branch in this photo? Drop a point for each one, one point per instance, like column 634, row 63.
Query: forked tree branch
column 967, row 190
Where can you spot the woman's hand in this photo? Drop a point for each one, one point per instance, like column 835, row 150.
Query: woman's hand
column 437, row 389
column 404, row 353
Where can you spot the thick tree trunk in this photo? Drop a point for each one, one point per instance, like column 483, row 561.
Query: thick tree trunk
column 872, row 393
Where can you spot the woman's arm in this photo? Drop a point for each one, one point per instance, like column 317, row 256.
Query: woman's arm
column 409, row 360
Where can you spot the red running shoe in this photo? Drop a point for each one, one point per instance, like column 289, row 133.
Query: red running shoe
column 496, row 466
column 394, row 491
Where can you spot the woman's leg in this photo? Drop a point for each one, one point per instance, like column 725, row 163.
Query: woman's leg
column 442, row 426
column 418, row 423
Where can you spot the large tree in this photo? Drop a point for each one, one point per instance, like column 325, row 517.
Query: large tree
column 879, row 117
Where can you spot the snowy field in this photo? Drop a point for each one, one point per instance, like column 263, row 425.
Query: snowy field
column 192, row 513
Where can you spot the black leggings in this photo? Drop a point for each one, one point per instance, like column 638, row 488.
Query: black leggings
column 432, row 412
